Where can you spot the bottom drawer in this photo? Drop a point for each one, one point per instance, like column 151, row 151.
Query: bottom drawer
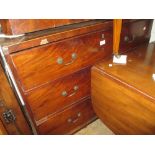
column 69, row 120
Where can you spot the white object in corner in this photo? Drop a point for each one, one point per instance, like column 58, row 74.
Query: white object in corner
column 152, row 39
column 121, row 59
column 153, row 77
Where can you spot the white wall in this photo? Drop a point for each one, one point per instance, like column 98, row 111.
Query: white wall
column 153, row 32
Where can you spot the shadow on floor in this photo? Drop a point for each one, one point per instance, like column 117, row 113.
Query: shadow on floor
column 95, row 128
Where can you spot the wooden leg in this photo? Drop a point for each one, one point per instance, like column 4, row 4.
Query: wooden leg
column 117, row 26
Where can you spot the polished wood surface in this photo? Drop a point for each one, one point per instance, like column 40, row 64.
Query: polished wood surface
column 59, row 94
column 129, row 35
column 117, row 27
column 39, row 65
column 123, row 95
column 41, row 74
column 70, row 120
column 138, row 71
column 8, row 98
column 21, row 26
column 55, row 34
column 2, row 129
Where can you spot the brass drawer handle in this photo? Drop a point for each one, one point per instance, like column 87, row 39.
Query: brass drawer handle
column 61, row 61
column 65, row 94
column 70, row 120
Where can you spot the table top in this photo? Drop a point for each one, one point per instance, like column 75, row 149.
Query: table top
column 139, row 71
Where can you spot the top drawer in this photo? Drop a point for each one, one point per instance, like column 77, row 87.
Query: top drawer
column 46, row 63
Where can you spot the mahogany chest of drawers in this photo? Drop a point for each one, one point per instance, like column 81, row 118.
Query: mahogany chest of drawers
column 52, row 67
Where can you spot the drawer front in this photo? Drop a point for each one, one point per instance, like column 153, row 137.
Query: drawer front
column 135, row 33
column 45, row 63
column 69, row 120
column 59, row 94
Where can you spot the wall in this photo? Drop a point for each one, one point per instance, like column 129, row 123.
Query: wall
column 153, row 32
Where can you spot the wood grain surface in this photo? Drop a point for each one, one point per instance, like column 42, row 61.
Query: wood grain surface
column 8, row 98
column 123, row 95
column 40, row 65
column 59, row 94
column 117, row 27
column 70, row 120
column 21, row 26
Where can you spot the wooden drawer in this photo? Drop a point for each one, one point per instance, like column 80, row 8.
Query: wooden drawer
column 70, row 120
column 59, row 94
column 42, row 64
column 135, row 33
column 20, row 26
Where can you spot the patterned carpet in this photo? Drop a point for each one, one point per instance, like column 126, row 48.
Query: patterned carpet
column 95, row 128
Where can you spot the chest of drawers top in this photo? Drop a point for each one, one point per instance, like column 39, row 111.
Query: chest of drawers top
column 21, row 26
column 38, row 38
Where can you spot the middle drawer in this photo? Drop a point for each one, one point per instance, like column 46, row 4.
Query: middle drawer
column 57, row 95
